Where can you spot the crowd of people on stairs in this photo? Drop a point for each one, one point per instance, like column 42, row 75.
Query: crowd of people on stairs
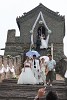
column 37, row 71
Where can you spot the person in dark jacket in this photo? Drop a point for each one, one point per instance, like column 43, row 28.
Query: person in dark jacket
column 50, row 95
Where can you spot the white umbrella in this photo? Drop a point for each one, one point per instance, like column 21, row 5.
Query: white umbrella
column 45, row 57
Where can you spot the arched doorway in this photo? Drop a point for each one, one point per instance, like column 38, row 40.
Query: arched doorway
column 41, row 30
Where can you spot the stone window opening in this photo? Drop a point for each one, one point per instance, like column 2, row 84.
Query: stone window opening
column 41, row 31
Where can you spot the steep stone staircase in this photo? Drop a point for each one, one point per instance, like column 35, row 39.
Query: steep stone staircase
column 10, row 90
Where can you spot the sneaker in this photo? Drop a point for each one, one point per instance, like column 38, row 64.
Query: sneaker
column 50, row 84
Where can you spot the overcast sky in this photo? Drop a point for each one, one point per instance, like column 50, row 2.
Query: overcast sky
column 10, row 9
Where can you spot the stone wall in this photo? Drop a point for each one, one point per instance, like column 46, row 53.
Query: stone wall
column 10, row 61
column 62, row 66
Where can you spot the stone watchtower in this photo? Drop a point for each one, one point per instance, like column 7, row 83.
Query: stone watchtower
column 32, row 24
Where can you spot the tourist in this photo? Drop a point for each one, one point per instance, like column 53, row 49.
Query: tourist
column 12, row 68
column 2, row 74
column 43, row 69
column 27, row 76
column 6, row 67
column 36, row 69
column 51, row 64
column 44, row 41
column 50, row 95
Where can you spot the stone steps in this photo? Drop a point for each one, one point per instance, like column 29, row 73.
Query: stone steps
column 10, row 90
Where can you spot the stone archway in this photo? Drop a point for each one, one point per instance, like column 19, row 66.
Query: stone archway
column 41, row 30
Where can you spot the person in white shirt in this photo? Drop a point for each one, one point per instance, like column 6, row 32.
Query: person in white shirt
column 6, row 67
column 11, row 68
column 44, row 41
column 51, row 64
column 2, row 74
column 43, row 70
column 36, row 69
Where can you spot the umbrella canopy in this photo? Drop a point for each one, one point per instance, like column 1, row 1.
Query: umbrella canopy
column 45, row 57
column 30, row 53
